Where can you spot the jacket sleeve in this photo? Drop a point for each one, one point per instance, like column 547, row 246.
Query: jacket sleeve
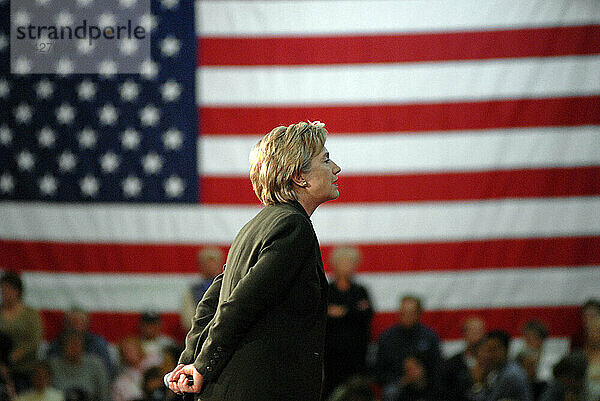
column 285, row 250
column 205, row 311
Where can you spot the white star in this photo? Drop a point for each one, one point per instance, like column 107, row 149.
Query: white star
column 65, row 66
column 84, row 3
column 65, row 114
column 108, row 114
column 149, row 69
column 169, row 46
column 46, row 137
column 64, row 18
column 21, row 18
column 7, row 183
column 109, row 162
column 67, row 161
column 174, row 186
column 43, row 3
column 47, row 185
column 86, row 90
column 172, row 139
column 130, row 139
column 170, row 91
column 44, row 89
column 169, row 4
column 132, row 186
column 89, row 185
column 87, row 138
column 22, row 65
column 84, row 46
column 148, row 22
column 149, row 116
column 4, row 88
column 152, row 163
column 127, row 3
column 23, row 113
column 5, row 135
column 106, row 19
column 3, row 42
column 128, row 46
column 25, row 160
column 129, row 91
column 107, row 68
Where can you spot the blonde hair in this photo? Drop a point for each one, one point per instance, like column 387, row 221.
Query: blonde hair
column 209, row 253
column 282, row 154
column 342, row 252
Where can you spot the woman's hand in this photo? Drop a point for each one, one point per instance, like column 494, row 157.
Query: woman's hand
column 179, row 382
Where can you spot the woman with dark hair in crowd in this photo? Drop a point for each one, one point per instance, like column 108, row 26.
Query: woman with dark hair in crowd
column 23, row 326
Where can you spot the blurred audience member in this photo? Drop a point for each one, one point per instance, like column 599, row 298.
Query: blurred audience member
column 78, row 373
column 458, row 377
column 529, row 361
column 356, row 388
column 153, row 386
column 78, row 320
column 128, row 385
column 23, row 326
column 7, row 388
column 589, row 310
column 210, row 264
column 349, row 316
column 153, row 341
column 504, row 379
column 568, row 383
column 591, row 348
column 535, row 334
column 409, row 339
column 41, row 390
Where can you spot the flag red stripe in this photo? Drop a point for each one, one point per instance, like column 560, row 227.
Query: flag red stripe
column 560, row 320
column 398, row 257
column 522, row 183
column 358, row 119
column 399, row 48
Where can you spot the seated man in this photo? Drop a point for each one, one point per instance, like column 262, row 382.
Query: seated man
column 75, row 371
column 78, row 320
column 504, row 379
column 408, row 359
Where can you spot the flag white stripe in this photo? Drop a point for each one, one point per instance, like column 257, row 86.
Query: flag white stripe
column 343, row 223
column 432, row 152
column 442, row 291
column 400, row 83
column 278, row 18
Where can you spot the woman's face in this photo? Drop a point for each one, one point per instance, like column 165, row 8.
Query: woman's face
column 321, row 178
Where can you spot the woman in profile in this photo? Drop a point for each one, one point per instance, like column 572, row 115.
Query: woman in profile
column 258, row 332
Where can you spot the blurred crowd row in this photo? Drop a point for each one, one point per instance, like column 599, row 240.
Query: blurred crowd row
column 405, row 363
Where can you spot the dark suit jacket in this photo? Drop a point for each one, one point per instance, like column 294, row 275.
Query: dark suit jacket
column 259, row 330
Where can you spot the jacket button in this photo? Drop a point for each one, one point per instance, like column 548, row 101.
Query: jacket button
column 208, row 368
column 219, row 349
column 212, row 361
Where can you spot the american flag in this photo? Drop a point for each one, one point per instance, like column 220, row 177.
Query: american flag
column 468, row 133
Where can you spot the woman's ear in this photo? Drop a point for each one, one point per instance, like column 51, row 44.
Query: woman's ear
column 300, row 181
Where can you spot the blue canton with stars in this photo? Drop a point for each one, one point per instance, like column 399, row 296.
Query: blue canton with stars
column 108, row 137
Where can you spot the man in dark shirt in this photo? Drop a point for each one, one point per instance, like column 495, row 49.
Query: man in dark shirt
column 349, row 316
column 459, row 369
column 504, row 379
column 409, row 362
